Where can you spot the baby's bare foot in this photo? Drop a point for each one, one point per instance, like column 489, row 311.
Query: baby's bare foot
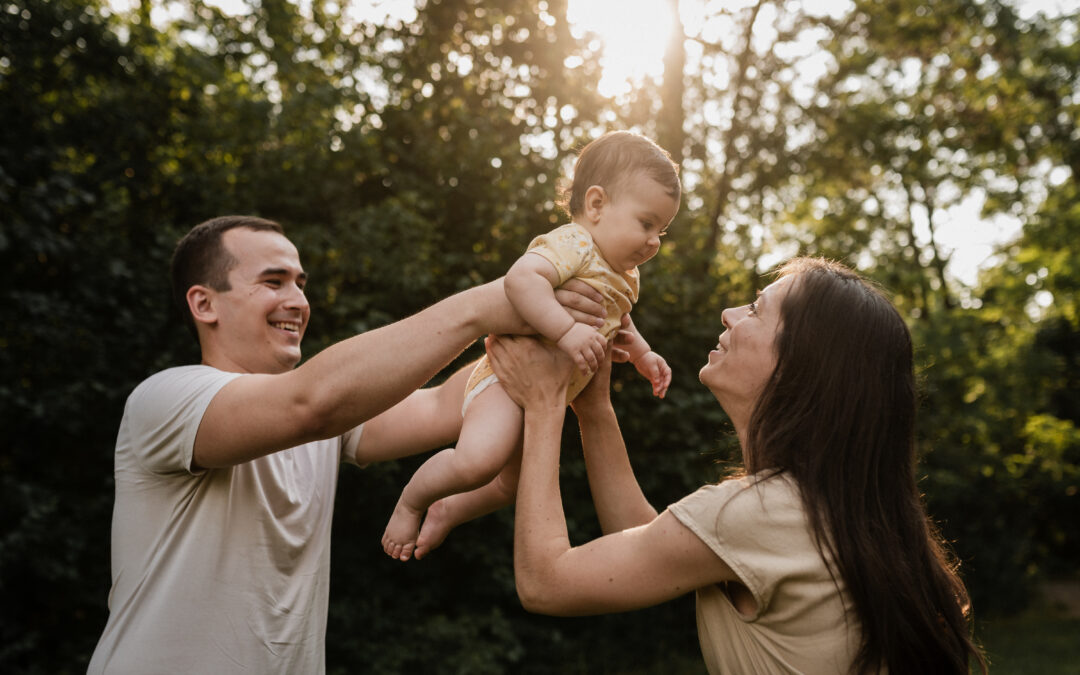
column 437, row 524
column 399, row 538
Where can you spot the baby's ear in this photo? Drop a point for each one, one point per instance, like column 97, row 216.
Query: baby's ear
column 595, row 199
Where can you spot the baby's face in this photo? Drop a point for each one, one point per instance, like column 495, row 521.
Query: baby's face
column 628, row 226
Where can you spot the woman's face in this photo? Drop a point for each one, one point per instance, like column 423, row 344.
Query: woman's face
column 745, row 355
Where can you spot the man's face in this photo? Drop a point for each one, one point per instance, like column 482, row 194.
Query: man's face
column 262, row 318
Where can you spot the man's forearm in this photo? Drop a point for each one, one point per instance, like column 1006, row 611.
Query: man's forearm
column 358, row 378
column 349, row 382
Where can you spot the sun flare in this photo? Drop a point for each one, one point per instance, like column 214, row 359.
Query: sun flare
column 632, row 33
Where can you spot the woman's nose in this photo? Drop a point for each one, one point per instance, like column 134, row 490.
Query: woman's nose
column 725, row 317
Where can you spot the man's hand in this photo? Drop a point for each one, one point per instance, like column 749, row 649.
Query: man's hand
column 584, row 345
column 655, row 369
column 582, row 302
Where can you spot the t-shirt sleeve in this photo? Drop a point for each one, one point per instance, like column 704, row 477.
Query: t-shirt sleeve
column 349, row 440
column 757, row 527
column 567, row 248
column 163, row 414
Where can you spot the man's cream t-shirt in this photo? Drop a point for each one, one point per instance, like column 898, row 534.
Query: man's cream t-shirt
column 218, row 571
column 759, row 528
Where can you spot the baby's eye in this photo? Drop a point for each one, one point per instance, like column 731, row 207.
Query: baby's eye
column 752, row 307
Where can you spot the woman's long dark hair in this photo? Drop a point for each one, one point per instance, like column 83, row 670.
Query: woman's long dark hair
column 838, row 414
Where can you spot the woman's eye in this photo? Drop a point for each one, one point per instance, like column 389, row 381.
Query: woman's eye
column 752, row 307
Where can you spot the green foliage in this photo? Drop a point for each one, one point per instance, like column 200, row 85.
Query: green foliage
column 409, row 161
column 1034, row 643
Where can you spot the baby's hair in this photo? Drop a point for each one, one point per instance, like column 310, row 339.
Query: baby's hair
column 610, row 159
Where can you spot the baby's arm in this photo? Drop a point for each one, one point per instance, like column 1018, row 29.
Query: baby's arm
column 651, row 365
column 530, row 287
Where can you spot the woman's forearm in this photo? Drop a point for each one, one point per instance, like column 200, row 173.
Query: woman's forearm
column 620, row 503
column 540, row 533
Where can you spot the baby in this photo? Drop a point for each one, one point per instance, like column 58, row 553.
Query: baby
column 624, row 195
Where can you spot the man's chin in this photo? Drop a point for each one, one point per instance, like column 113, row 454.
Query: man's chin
column 290, row 359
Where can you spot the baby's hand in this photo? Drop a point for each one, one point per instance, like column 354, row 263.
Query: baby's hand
column 585, row 345
column 655, row 369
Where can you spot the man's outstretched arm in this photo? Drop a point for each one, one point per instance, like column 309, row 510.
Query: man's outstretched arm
column 353, row 380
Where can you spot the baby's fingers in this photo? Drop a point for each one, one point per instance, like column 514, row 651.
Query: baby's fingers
column 599, row 348
column 660, row 378
column 661, row 387
column 582, row 361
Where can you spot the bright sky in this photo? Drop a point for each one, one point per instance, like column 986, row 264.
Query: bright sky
column 631, row 35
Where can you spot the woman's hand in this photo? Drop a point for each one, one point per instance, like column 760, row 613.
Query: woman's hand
column 623, row 337
column 533, row 374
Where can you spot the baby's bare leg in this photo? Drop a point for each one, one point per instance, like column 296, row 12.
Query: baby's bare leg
column 449, row 512
column 489, row 433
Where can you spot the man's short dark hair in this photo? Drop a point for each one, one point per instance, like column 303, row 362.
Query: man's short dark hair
column 201, row 259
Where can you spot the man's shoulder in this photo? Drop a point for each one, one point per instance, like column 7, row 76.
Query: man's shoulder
column 178, row 375
column 179, row 382
column 162, row 416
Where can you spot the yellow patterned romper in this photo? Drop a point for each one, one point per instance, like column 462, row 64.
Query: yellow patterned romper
column 571, row 251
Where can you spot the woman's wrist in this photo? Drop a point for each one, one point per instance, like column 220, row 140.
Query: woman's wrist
column 587, row 410
column 545, row 408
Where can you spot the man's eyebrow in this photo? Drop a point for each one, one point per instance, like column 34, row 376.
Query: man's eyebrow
column 281, row 271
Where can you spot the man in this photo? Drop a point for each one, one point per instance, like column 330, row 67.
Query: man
column 226, row 471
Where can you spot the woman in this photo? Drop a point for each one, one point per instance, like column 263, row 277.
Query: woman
column 820, row 558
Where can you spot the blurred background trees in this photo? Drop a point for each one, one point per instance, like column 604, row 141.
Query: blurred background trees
column 413, row 153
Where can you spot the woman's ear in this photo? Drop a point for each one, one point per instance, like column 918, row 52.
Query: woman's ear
column 595, row 200
column 200, row 300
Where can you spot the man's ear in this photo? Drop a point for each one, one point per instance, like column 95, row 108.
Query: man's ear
column 200, row 300
column 595, row 199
